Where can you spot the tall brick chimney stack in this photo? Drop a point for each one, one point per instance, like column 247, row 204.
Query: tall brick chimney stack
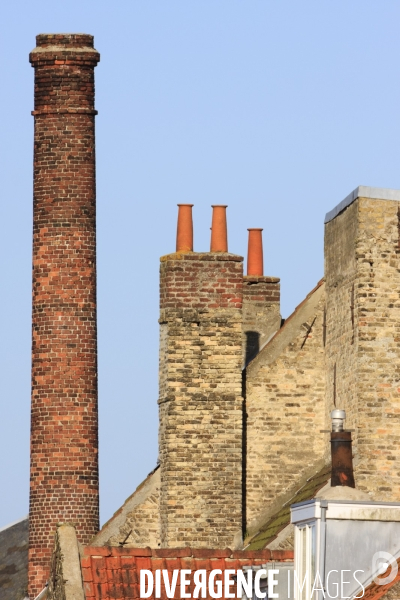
column 200, row 399
column 64, row 448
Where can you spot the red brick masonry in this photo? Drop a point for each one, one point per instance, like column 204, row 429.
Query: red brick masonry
column 64, row 464
column 114, row 573
column 261, row 289
column 201, row 280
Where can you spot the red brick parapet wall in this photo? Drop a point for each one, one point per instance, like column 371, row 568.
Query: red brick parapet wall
column 201, row 280
column 64, row 454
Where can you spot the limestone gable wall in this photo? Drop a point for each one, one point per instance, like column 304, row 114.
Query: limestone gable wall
column 285, row 406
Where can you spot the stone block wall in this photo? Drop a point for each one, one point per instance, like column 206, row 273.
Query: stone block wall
column 200, row 404
column 363, row 336
column 341, row 309
column 261, row 313
column 285, row 406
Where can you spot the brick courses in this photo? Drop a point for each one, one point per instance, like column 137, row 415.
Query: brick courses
column 64, row 454
column 200, row 402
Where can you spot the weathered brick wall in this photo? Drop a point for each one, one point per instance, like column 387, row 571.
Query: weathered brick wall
column 64, row 465
column 363, row 333
column 261, row 313
column 286, row 410
column 200, row 435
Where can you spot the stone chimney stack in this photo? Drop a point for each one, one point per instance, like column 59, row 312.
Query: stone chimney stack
column 200, row 399
column 362, row 323
column 64, row 447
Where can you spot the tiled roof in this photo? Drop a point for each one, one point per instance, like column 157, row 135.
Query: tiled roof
column 375, row 591
column 270, row 529
column 113, row 573
column 14, row 561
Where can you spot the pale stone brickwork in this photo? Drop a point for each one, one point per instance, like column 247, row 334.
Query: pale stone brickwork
column 137, row 523
column 286, row 409
column 341, row 336
column 200, row 435
column 261, row 313
column 362, row 250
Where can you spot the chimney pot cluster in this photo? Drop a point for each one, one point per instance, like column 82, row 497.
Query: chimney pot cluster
column 219, row 236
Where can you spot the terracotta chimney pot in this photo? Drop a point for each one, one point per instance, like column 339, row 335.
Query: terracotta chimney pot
column 219, row 234
column 255, row 264
column 184, row 234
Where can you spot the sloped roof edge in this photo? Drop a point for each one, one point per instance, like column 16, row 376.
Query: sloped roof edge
column 275, row 523
column 374, row 591
column 277, row 342
column 118, row 518
column 14, row 523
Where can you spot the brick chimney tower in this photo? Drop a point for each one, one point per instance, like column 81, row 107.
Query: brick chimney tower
column 64, row 447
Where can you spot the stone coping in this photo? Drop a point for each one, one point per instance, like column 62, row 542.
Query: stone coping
column 211, row 256
column 363, row 191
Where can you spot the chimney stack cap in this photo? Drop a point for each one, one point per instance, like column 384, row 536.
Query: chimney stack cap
column 69, row 40
column 338, row 417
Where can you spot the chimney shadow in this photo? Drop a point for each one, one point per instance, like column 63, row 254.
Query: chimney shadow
column 252, row 345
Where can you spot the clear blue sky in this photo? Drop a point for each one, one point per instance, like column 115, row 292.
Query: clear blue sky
column 278, row 109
